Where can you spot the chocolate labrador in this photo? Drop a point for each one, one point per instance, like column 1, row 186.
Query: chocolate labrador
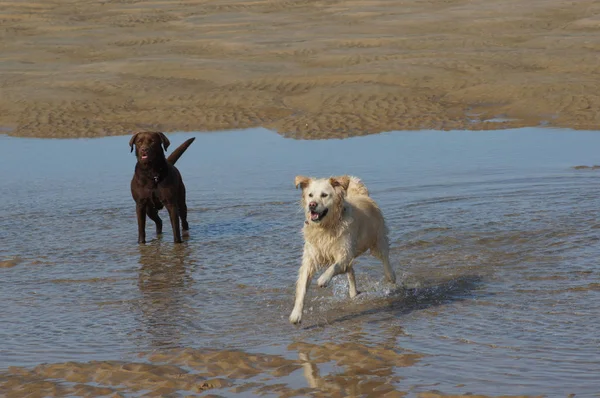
column 156, row 183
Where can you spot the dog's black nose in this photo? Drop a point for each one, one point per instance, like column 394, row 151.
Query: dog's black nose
column 312, row 205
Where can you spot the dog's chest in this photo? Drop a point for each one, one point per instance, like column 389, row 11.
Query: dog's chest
column 150, row 191
column 326, row 248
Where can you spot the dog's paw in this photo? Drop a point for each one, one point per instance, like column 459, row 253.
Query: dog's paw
column 323, row 281
column 295, row 317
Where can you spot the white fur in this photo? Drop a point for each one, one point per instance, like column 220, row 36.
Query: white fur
column 353, row 224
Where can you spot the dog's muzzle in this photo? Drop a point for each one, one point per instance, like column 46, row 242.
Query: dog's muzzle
column 316, row 216
column 144, row 153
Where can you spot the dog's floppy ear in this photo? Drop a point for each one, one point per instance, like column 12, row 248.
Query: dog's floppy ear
column 132, row 141
column 164, row 140
column 343, row 182
column 301, row 181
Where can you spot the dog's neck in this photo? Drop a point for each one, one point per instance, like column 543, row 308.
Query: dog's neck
column 154, row 171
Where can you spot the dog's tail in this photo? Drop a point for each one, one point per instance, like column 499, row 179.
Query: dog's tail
column 356, row 187
column 176, row 154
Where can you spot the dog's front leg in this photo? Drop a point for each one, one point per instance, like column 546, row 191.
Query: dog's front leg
column 140, row 210
column 304, row 276
column 339, row 267
column 174, row 216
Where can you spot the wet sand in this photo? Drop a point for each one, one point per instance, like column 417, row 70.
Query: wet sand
column 363, row 371
column 306, row 69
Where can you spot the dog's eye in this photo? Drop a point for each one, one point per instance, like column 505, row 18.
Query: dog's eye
column 310, row 195
column 323, row 195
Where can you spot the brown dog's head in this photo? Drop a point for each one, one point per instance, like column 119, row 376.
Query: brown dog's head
column 323, row 199
column 149, row 145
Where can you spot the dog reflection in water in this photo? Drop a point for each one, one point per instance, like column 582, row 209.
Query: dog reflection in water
column 353, row 369
column 165, row 286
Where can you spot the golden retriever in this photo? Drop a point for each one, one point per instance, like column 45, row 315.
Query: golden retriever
column 342, row 222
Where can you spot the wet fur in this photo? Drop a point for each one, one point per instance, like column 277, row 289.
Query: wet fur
column 157, row 183
column 352, row 225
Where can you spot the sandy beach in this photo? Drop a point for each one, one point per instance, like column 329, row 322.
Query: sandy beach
column 307, row 69
column 496, row 236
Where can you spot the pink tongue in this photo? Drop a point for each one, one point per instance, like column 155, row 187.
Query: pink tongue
column 144, row 156
column 313, row 215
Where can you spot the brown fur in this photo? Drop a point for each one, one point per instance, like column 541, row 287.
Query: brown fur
column 176, row 154
column 156, row 183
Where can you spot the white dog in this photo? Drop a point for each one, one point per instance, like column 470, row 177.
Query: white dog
column 342, row 222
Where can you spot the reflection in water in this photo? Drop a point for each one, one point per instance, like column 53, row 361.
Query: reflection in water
column 164, row 282
column 351, row 369
column 354, row 368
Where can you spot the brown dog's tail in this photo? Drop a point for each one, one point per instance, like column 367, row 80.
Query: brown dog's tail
column 176, row 154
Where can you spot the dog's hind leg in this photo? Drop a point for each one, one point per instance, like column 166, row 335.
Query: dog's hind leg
column 183, row 211
column 382, row 252
column 352, row 292
column 153, row 215
column 174, row 216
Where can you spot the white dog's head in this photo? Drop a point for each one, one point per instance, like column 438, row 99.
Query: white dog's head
column 323, row 198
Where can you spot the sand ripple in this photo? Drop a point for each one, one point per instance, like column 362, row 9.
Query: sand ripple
column 306, row 69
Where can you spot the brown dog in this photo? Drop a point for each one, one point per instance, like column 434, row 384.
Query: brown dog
column 156, row 183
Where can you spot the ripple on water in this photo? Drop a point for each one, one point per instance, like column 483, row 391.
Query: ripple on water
column 494, row 236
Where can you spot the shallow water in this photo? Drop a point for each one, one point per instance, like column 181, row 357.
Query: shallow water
column 494, row 234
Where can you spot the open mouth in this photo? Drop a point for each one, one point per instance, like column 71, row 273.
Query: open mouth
column 316, row 216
